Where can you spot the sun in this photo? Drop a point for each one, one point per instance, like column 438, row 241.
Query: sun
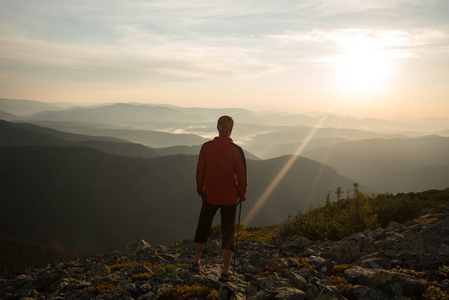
column 363, row 71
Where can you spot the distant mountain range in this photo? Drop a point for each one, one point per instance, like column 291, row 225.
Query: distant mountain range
column 20, row 134
column 393, row 165
column 14, row 134
column 288, row 140
column 8, row 117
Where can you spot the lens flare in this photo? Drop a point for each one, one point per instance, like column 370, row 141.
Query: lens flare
column 261, row 201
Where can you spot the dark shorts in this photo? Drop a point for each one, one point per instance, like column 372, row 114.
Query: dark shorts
column 207, row 214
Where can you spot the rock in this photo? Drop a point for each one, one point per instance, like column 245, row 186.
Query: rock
column 357, row 237
column 271, row 282
column 377, row 234
column 287, row 293
column 395, row 283
column 294, row 242
column 358, row 275
column 361, row 292
column 367, row 245
column 444, row 250
column 305, row 273
column 329, row 292
column 297, row 281
column 136, row 247
column 396, row 227
column 263, row 295
column 102, row 270
column 345, row 252
column 369, row 263
column 315, row 260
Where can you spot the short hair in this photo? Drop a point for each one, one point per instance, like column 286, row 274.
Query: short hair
column 225, row 125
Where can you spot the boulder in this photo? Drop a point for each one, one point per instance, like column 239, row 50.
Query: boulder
column 330, row 292
column 345, row 252
column 294, row 242
column 395, row 284
column 361, row 292
column 297, row 281
column 136, row 247
column 443, row 250
column 288, row 293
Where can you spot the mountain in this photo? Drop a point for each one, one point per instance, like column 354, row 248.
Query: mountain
column 8, row 117
column 120, row 113
column 192, row 150
column 81, row 198
column 15, row 134
column 149, row 138
column 394, row 165
column 271, row 143
column 24, row 107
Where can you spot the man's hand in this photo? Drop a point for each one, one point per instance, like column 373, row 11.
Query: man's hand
column 243, row 198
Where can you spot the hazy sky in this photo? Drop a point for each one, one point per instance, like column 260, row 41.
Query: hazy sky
column 381, row 58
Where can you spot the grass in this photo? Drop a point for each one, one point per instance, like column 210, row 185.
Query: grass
column 184, row 292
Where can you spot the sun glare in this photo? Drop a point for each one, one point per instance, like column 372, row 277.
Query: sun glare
column 363, row 71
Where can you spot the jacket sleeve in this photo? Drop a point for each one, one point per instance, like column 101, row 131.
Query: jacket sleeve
column 200, row 173
column 241, row 174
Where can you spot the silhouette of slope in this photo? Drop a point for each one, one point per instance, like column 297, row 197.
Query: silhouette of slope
column 91, row 201
column 14, row 134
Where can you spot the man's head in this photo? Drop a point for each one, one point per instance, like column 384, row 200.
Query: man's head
column 224, row 126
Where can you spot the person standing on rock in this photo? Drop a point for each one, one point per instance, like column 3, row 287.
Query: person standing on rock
column 221, row 181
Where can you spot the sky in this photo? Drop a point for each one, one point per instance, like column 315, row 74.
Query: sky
column 365, row 58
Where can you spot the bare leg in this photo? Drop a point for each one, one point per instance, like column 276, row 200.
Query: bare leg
column 198, row 251
column 227, row 256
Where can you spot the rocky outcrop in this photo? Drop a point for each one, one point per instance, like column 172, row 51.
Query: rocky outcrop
column 402, row 261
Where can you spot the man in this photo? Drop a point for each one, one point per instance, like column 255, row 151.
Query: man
column 221, row 182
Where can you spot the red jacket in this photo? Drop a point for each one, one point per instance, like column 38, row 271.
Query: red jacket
column 221, row 172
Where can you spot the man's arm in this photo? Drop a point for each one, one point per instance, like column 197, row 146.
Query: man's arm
column 200, row 173
column 242, row 179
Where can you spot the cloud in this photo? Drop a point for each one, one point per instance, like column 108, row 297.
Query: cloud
column 399, row 43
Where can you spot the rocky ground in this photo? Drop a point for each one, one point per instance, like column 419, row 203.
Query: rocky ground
column 402, row 261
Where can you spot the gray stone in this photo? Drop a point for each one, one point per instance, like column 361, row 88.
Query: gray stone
column 367, row 245
column 136, row 247
column 297, row 281
column 444, row 250
column 329, row 292
column 357, row 237
column 396, row 227
column 361, row 292
column 345, row 252
column 287, row 293
column 315, row 260
column 305, row 273
column 102, row 270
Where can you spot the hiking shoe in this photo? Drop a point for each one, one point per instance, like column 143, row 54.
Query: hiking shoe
column 224, row 277
column 195, row 267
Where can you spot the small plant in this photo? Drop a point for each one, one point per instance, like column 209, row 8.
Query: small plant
column 301, row 263
column 128, row 264
column 425, row 220
column 435, row 293
column 258, row 234
column 337, row 269
column 270, row 269
column 141, row 277
column 184, row 292
column 102, row 289
column 341, row 284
